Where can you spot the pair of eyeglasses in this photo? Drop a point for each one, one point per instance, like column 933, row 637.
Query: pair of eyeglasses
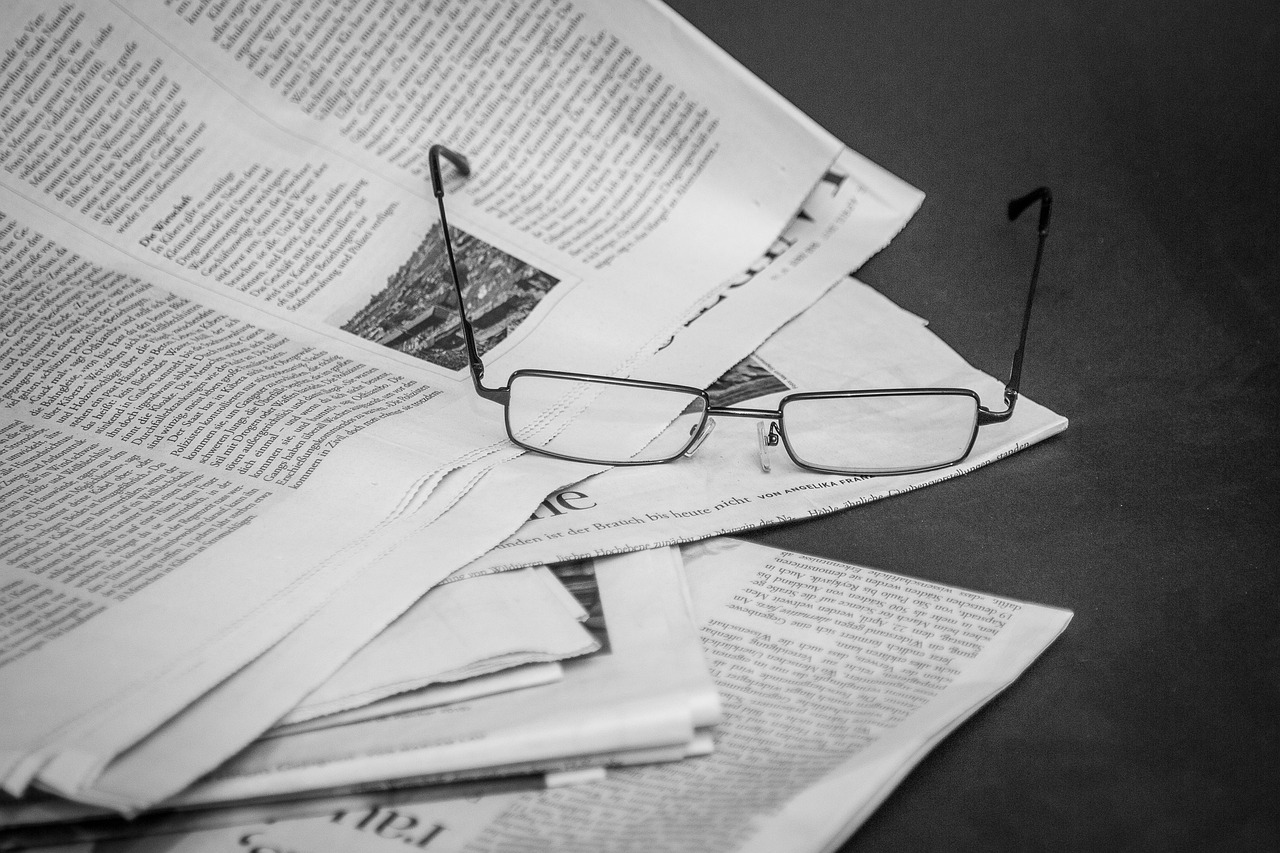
column 585, row 417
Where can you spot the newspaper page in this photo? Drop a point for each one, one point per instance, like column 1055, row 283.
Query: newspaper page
column 167, row 509
column 836, row 680
column 133, row 154
column 455, row 632
column 225, row 718
column 609, row 143
column 96, row 825
column 611, row 149
column 643, row 697
column 853, row 338
column 647, row 687
column 432, row 696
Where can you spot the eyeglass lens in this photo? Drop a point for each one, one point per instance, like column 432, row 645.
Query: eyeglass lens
column 602, row 421
column 881, row 433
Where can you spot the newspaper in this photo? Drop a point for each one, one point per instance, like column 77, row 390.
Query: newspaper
column 432, row 696
column 198, row 256
column 643, row 697
column 853, row 338
column 836, row 681
column 226, row 717
column 647, row 687
column 315, row 209
column 455, row 632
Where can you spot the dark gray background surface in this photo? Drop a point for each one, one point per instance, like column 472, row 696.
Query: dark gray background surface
column 1152, row 723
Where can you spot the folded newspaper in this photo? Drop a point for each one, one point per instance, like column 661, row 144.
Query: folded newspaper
column 231, row 409
column 456, row 632
column 835, row 681
column 643, row 695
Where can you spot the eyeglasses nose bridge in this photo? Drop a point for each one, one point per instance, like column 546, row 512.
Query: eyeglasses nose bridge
column 766, row 437
column 708, row 427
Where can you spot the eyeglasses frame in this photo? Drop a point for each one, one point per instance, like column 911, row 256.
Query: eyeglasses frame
column 502, row 396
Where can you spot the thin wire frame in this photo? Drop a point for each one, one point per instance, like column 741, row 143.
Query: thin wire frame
column 502, row 395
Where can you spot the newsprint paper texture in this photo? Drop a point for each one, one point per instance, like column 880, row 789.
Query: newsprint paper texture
column 836, row 680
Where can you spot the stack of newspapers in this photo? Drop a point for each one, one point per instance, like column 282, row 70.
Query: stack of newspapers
column 271, row 572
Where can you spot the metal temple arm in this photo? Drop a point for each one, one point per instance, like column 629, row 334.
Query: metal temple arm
column 461, row 164
column 1044, row 197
